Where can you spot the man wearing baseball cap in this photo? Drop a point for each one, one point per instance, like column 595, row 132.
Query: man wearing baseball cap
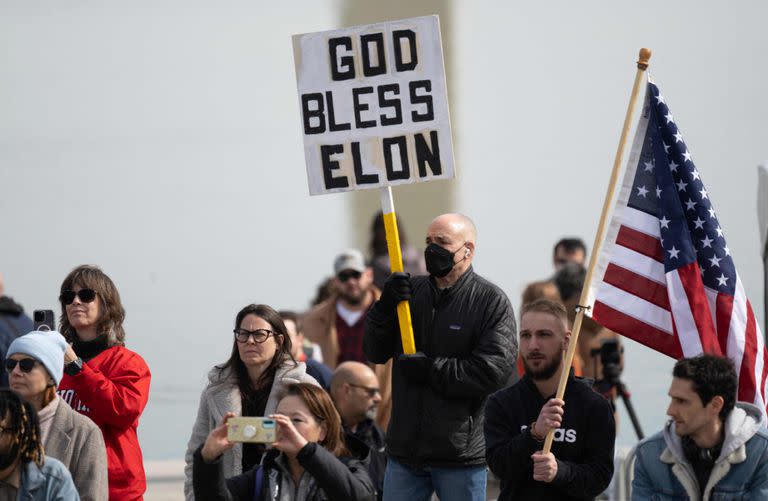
column 338, row 323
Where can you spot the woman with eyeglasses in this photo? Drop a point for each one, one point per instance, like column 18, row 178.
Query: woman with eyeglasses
column 309, row 461
column 247, row 384
column 35, row 365
column 102, row 378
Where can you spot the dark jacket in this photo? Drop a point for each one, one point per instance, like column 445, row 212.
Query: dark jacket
column 49, row 482
column 583, row 446
column 468, row 331
column 13, row 323
column 332, row 478
column 371, row 435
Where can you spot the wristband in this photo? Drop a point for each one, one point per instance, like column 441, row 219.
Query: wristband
column 535, row 435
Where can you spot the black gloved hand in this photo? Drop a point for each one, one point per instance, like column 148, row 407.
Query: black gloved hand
column 397, row 288
column 415, row 368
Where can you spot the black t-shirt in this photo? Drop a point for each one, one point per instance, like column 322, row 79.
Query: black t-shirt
column 254, row 404
column 702, row 460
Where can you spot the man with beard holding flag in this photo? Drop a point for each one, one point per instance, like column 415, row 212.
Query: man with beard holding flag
column 518, row 418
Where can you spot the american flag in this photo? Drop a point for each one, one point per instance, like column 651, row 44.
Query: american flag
column 666, row 277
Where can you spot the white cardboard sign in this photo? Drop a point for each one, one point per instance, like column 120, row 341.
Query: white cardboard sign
column 374, row 106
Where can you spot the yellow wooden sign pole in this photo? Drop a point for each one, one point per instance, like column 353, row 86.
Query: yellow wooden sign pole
column 642, row 65
column 396, row 264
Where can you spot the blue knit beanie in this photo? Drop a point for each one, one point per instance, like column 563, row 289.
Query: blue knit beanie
column 47, row 347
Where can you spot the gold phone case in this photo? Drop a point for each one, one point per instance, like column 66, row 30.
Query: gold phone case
column 252, row 429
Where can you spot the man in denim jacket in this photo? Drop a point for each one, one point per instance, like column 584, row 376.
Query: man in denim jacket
column 712, row 448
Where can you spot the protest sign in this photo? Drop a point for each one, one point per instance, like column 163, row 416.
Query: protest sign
column 374, row 106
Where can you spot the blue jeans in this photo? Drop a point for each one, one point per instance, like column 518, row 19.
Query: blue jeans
column 402, row 482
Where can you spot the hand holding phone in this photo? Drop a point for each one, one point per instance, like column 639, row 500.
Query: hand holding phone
column 216, row 442
column 289, row 440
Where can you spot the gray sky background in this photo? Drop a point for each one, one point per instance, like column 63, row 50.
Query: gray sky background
column 161, row 140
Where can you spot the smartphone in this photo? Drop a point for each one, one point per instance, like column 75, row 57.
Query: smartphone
column 43, row 320
column 251, row 429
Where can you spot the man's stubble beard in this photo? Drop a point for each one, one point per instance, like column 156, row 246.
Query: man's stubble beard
column 545, row 372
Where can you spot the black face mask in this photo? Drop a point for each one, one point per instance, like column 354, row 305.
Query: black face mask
column 439, row 260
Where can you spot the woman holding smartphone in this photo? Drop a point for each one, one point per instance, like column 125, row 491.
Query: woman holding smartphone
column 102, row 378
column 259, row 367
column 308, row 462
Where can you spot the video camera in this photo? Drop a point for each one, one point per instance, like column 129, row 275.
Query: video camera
column 610, row 357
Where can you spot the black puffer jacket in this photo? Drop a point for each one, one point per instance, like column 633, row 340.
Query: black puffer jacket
column 332, row 478
column 469, row 332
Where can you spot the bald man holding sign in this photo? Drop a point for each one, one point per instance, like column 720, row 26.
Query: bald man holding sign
column 464, row 331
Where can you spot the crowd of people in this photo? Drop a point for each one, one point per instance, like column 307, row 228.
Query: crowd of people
column 355, row 416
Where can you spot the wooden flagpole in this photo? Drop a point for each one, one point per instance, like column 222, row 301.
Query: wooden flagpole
column 396, row 264
column 642, row 65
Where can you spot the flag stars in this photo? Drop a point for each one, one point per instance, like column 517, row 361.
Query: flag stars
column 703, row 193
column 673, row 166
column 690, row 205
column 712, row 213
column 707, row 242
column 658, row 192
column 681, row 185
column 673, row 252
column 687, row 156
column 699, row 223
column 642, row 191
column 664, row 222
column 649, row 166
column 669, row 117
column 666, row 147
column 727, row 251
column 722, row 280
column 715, row 261
column 695, row 174
column 719, row 232
column 678, row 137
column 660, row 99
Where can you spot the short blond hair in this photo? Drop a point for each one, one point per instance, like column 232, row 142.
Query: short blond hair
column 548, row 306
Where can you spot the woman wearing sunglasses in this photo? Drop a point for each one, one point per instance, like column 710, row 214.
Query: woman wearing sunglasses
column 308, row 462
column 247, row 384
column 35, row 363
column 102, row 378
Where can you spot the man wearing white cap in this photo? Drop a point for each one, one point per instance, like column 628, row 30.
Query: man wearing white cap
column 338, row 323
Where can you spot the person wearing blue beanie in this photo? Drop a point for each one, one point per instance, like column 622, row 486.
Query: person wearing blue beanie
column 47, row 347
column 35, row 366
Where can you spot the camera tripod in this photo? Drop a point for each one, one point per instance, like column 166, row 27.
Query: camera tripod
column 605, row 386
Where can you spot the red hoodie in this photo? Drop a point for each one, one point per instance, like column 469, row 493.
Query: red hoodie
column 112, row 390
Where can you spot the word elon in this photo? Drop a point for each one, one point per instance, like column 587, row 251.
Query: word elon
column 385, row 105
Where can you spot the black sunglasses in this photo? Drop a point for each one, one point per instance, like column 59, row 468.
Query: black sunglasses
column 85, row 295
column 343, row 276
column 259, row 335
column 25, row 364
column 370, row 391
